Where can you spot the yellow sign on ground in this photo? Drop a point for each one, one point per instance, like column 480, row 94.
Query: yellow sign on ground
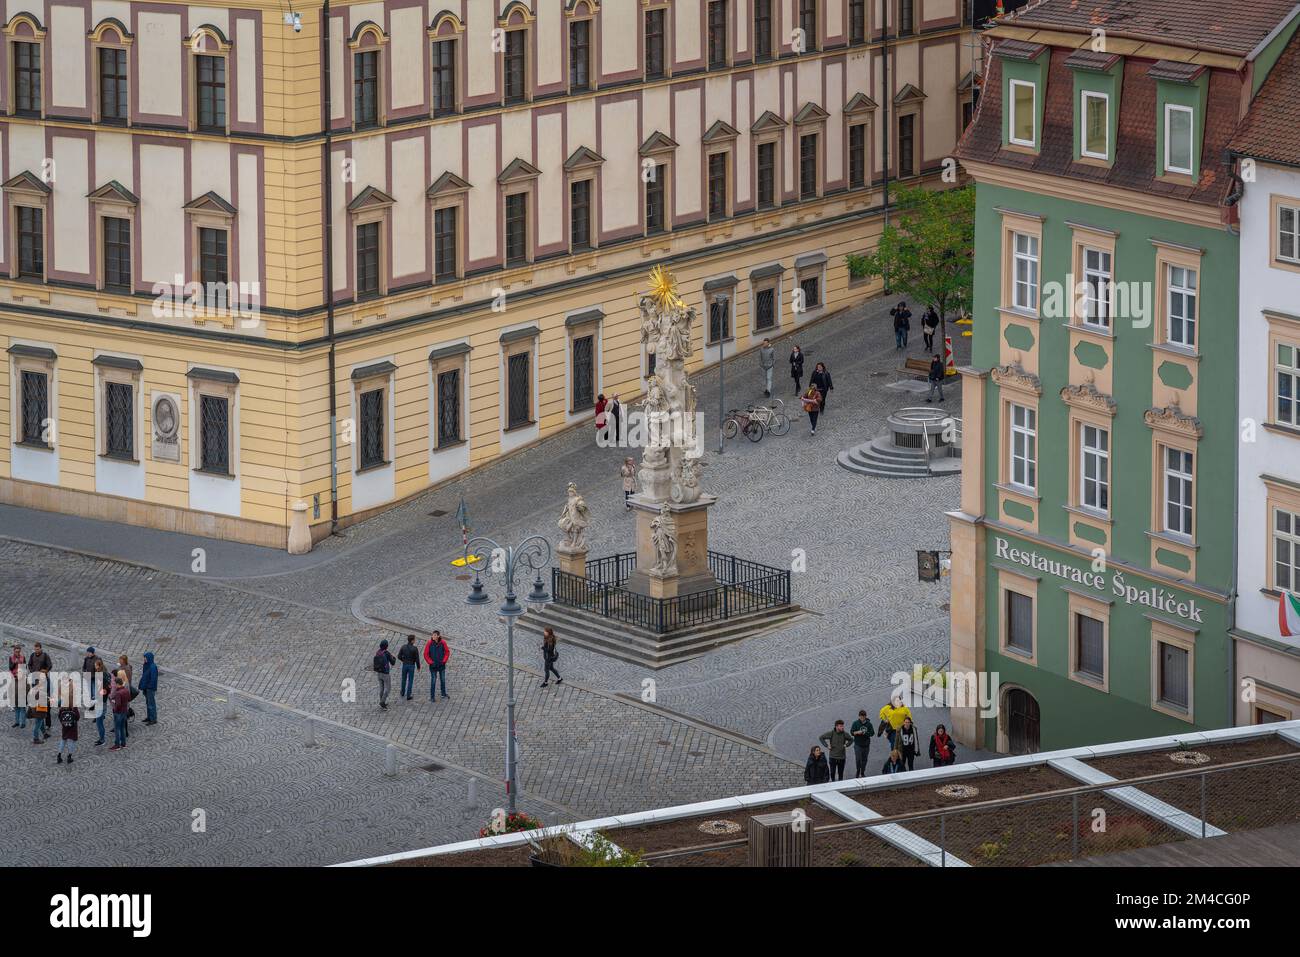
column 462, row 562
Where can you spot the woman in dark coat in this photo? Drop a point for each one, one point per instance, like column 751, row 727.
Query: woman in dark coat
column 943, row 749
column 550, row 654
column 821, row 379
column 908, row 742
column 817, row 770
column 796, row 368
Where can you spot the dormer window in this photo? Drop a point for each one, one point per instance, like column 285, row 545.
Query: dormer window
column 1179, row 137
column 1023, row 129
column 1095, row 131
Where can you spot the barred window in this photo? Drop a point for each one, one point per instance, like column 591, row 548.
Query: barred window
column 27, row 78
column 36, row 407
column 117, row 253
column 211, row 92
column 365, row 88
column 584, row 372
column 113, row 107
column 519, row 388
column 371, row 428
column 812, row 292
column 444, row 77
column 765, row 308
column 214, row 434
column 119, row 420
column 719, row 319
column 448, row 407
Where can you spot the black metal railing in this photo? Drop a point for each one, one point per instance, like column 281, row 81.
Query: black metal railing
column 743, row 588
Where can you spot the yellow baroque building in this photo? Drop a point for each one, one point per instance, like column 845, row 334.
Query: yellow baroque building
column 256, row 258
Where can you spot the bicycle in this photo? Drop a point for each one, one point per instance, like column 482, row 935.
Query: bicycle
column 737, row 422
column 773, row 420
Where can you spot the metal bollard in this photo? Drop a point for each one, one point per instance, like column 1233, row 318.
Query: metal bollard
column 309, row 732
column 390, row 761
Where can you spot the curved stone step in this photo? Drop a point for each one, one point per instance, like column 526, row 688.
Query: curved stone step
column 881, row 469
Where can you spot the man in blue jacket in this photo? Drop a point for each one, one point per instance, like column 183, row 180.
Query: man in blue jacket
column 149, row 687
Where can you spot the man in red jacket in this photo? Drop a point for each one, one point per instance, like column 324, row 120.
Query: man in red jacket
column 436, row 654
column 121, row 699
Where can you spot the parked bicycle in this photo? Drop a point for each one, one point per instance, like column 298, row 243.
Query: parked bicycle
column 773, row 420
column 738, row 422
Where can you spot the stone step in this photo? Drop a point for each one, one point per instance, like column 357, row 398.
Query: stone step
column 625, row 632
column 866, row 456
column 864, row 466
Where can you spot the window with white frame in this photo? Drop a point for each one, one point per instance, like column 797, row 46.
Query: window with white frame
column 1179, row 122
column 1286, row 377
column 1288, row 233
column 1095, row 132
column 1096, row 280
column 1024, row 113
column 1024, row 446
column 1286, row 550
column 1094, row 467
column 1025, row 291
column 1181, row 291
column 1178, row 504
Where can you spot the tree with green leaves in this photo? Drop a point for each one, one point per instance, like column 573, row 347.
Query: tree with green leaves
column 927, row 253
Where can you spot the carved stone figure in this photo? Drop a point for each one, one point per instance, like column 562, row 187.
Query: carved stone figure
column 664, row 538
column 686, row 484
column 574, row 520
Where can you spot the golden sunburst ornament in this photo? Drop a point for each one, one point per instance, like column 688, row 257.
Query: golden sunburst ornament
column 663, row 288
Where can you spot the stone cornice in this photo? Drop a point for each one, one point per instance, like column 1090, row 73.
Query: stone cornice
column 1171, row 419
column 1086, row 396
column 1016, row 378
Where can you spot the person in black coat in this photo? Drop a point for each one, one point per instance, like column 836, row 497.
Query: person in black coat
column 796, row 369
column 929, row 325
column 817, row 770
column 822, row 380
column 908, row 742
column 902, row 323
column 550, row 655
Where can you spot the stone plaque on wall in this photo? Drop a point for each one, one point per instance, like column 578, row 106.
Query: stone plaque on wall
column 166, row 418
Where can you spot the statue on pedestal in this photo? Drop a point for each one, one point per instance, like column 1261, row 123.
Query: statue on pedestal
column 664, row 537
column 573, row 522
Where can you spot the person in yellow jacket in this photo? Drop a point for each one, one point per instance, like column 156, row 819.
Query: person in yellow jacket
column 892, row 716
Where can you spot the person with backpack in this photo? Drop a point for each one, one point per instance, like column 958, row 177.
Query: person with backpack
column 68, row 720
column 796, row 368
column 837, row 741
column 861, row 732
column 908, row 742
column 902, row 323
column 943, row 749
column 436, row 654
column 929, row 325
column 149, row 687
column 766, row 362
column 17, row 665
column 550, row 654
column 121, row 701
column 409, row 655
column 383, row 665
column 816, row 770
column 935, row 377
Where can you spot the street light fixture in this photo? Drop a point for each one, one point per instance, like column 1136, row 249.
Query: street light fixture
column 533, row 554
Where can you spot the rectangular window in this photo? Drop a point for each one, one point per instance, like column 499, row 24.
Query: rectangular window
column 967, row 113
column 1090, row 647
column 113, row 106
column 906, row 145
column 811, row 288
column 516, row 229
column 717, row 34
column 1096, row 125
column 584, row 372
column 31, row 242
column 448, row 407
column 719, row 319
column 214, row 264
column 36, row 408
column 654, row 199
column 858, row 155
column 1025, row 262
column 1287, row 378
column 1020, row 622
column 117, row 253
column 1288, row 233
column 444, row 77
column 717, row 185
column 1096, row 279
column 857, row 21
column 371, row 429
column 214, row 434
column 1286, row 550
column 1024, row 447
column 654, row 44
column 906, row 18
column 211, row 92
column 766, row 175
column 1174, row 679
column 27, row 78
column 367, row 260
column 1024, row 113
column 1178, row 139
column 808, row 24
column 1094, row 472
column 808, row 166
column 762, row 30
column 1178, row 492
column 445, row 255
column 519, row 390
column 119, row 420
column 580, row 214
column 579, row 56
column 1182, row 306
column 515, row 67
column 765, row 309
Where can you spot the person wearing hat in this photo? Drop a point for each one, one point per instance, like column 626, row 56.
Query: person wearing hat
column 384, row 662
column 88, row 660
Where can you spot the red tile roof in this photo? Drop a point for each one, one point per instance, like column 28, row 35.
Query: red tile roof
column 1234, row 28
column 1271, row 129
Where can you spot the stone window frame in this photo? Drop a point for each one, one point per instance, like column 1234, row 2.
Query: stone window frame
column 1098, row 610
column 1282, row 495
column 41, row 359
column 589, row 322
column 379, row 375
column 1276, row 202
column 667, row 7
column 1283, row 330
column 207, row 40
column 1078, row 418
column 583, row 164
column 720, row 140
column 25, row 28
column 908, row 102
column 916, row 18
column 1084, row 238
column 517, row 18
column 1025, row 400
column 811, row 44
column 723, row 288
column 813, row 126
column 371, row 205
column 1165, row 633
column 867, row 8
column 368, row 37
column 447, row 359
column 220, row 384
column 125, row 370
column 1026, row 224
column 769, row 129
column 448, row 28
column 772, row 54
column 661, row 154
column 859, row 111
column 811, row 266
column 519, row 178
column 100, row 39
column 512, row 343
column 210, row 211
column 728, row 40
column 113, row 201
column 448, row 191
column 1009, row 581
column 1170, row 255
column 1161, row 440
column 579, row 11
column 27, row 190
column 761, row 279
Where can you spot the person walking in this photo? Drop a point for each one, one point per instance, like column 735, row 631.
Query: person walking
column 409, row 656
column 902, row 323
column 908, row 742
column 943, row 749
column 124, row 668
column 614, row 416
column 38, row 705
column 383, row 665
column 121, row 701
column 821, row 379
column 436, row 654
column 812, row 404
column 628, row 471
column 929, row 325
column 149, row 688
column 936, row 378
column 602, row 420
column 837, row 742
column 17, row 664
column 862, row 732
column 893, row 764
column 69, row 717
column 766, row 362
column 816, row 770
column 891, row 718
column 796, row 368
column 550, row 654
column 101, row 685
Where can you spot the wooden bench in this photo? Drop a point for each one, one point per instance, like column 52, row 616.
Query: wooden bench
column 920, row 366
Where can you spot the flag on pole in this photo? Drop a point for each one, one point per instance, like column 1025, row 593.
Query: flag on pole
column 1288, row 615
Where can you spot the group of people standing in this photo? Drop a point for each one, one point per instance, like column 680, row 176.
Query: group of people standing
column 436, row 654
column 47, row 699
column 826, row 760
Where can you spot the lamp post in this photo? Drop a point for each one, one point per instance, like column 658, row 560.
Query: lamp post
column 533, row 554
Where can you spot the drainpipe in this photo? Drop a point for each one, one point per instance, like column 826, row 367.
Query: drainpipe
column 328, row 250
column 886, row 97
column 1234, row 197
